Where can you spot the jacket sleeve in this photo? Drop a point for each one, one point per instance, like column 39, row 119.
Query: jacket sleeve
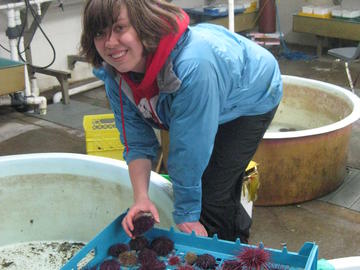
column 193, row 126
column 140, row 136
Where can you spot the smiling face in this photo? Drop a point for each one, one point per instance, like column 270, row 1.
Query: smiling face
column 120, row 46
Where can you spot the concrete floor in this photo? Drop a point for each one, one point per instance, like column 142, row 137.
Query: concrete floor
column 333, row 226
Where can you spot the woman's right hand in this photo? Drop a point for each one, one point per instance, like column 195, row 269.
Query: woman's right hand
column 140, row 206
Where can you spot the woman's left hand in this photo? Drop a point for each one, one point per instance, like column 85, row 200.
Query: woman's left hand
column 188, row 227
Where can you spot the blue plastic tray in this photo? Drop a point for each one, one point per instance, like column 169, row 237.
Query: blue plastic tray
column 222, row 250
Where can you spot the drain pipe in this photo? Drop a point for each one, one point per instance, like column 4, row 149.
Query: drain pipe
column 76, row 90
column 40, row 101
column 35, row 99
column 17, row 99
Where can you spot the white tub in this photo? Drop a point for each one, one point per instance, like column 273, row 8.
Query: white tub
column 68, row 196
column 346, row 263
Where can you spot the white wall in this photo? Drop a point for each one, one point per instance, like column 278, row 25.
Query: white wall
column 64, row 30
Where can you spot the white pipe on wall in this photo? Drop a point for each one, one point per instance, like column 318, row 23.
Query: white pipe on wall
column 76, row 90
column 231, row 11
column 22, row 49
column 22, row 4
column 12, row 42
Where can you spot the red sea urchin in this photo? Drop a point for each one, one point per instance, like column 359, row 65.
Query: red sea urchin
column 254, row 258
column 110, row 265
column 139, row 243
column 116, row 249
column 162, row 245
column 206, row 261
column 174, row 260
column 142, row 224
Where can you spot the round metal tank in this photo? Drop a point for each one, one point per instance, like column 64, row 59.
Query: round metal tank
column 304, row 152
column 61, row 196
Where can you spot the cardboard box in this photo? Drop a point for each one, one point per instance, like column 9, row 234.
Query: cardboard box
column 11, row 76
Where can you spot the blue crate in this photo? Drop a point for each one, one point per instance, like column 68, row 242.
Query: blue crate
column 222, row 250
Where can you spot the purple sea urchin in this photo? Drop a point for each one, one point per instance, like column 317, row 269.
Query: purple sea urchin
column 110, row 265
column 231, row 265
column 190, row 258
column 254, row 258
column 142, row 224
column 116, row 249
column 146, row 256
column 155, row 265
column 128, row 258
column 139, row 243
column 162, row 245
column 206, row 261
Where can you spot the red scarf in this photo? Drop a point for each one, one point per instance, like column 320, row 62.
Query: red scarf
column 148, row 87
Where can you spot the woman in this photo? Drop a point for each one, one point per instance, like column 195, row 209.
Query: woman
column 215, row 91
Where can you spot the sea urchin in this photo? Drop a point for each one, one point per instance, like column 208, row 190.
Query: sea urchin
column 147, row 256
column 206, row 261
column 110, row 265
column 162, row 245
column 116, row 249
column 231, row 265
column 155, row 265
column 128, row 258
column 142, row 224
column 139, row 243
column 254, row 258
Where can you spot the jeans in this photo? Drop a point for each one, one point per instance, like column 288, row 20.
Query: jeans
column 235, row 145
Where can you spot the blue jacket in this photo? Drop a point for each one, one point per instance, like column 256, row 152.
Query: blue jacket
column 211, row 77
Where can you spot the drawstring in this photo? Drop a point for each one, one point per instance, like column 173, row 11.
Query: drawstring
column 122, row 117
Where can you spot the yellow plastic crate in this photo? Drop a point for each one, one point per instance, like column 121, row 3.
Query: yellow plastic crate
column 324, row 16
column 102, row 136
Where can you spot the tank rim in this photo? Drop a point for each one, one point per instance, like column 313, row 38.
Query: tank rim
column 343, row 93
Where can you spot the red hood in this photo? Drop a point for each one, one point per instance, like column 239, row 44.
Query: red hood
column 154, row 62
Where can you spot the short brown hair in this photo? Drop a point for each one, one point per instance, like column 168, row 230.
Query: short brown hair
column 151, row 19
